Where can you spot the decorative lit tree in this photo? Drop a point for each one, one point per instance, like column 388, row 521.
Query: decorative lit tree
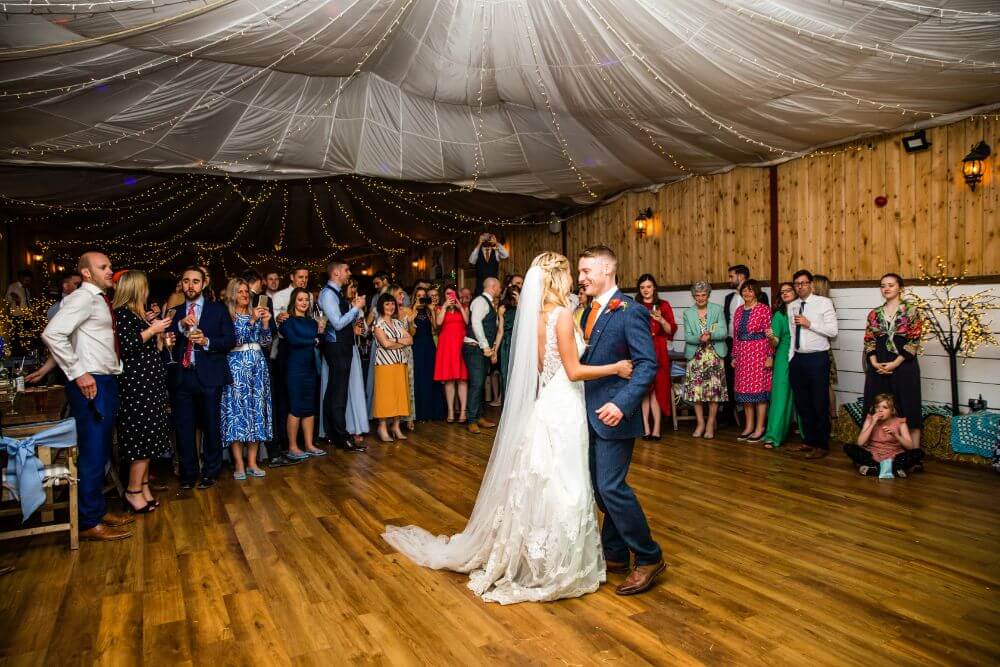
column 957, row 321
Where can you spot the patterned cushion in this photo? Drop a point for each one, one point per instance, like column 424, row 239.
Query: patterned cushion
column 975, row 434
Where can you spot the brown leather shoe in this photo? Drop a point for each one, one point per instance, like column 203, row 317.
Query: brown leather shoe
column 486, row 423
column 818, row 453
column 103, row 533
column 641, row 579
column 613, row 567
column 474, row 428
column 117, row 520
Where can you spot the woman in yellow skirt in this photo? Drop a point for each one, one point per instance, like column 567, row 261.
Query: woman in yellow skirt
column 391, row 399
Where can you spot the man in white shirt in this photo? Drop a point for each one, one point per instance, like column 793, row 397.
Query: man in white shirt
column 272, row 281
column 478, row 351
column 81, row 338
column 19, row 292
column 812, row 323
column 298, row 277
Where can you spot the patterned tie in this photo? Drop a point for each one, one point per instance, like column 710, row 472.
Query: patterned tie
column 189, row 350
column 114, row 325
column 590, row 320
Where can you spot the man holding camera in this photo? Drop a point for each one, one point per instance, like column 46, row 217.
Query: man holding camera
column 486, row 258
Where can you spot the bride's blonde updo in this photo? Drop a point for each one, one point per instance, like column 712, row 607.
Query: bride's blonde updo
column 557, row 281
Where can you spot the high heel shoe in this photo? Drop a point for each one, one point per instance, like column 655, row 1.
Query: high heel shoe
column 145, row 509
column 154, row 502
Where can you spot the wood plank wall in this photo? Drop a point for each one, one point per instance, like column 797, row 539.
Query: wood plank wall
column 828, row 220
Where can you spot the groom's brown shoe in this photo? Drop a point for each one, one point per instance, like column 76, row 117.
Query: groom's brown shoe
column 642, row 579
column 486, row 423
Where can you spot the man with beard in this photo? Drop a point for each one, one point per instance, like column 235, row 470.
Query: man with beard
column 205, row 335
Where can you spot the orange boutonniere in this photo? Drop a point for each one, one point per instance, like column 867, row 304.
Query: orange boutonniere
column 615, row 304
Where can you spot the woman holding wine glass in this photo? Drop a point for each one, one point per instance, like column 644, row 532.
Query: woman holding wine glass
column 246, row 403
column 143, row 432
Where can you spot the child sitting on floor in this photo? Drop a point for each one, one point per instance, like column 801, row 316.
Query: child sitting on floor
column 885, row 437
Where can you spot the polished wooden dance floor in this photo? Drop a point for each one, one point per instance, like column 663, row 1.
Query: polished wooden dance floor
column 774, row 560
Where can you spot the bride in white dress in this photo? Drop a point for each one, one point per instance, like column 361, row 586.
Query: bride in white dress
column 533, row 534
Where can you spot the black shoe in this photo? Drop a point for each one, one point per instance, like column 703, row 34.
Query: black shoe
column 352, row 447
column 187, row 486
column 280, row 461
column 205, row 483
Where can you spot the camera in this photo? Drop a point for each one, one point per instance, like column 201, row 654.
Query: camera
column 425, row 301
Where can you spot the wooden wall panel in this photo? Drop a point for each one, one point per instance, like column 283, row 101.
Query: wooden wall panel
column 828, row 220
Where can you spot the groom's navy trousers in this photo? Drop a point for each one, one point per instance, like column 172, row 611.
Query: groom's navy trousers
column 620, row 333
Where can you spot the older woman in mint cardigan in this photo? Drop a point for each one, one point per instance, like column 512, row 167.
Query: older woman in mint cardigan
column 705, row 349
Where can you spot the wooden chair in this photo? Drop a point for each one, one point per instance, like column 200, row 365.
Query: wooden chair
column 57, row 474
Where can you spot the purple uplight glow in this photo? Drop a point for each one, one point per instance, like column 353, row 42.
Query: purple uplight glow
column 130, row 181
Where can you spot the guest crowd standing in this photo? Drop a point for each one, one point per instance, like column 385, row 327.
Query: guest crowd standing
column 245, row 370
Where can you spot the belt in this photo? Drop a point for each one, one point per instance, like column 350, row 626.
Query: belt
column 247, row 347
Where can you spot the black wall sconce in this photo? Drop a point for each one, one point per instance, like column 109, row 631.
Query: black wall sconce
column 972, row 164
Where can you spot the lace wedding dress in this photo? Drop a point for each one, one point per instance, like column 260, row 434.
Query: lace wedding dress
column 533, row 535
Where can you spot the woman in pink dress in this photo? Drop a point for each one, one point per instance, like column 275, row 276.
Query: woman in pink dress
column 449, row 366
column 753, row 360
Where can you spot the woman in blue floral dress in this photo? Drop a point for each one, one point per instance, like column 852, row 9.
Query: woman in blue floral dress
column 246, row 403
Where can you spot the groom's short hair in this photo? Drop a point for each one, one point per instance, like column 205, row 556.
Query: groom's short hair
column 600, row 251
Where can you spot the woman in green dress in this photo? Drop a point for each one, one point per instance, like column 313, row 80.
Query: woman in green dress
column 506, row 314
column 780, row 414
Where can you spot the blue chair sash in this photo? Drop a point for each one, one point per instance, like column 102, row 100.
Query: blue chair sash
column 25, row 473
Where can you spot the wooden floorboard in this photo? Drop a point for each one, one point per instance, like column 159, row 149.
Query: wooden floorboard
column 774, row 560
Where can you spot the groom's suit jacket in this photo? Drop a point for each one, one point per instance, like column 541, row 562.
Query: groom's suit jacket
column 619, row 334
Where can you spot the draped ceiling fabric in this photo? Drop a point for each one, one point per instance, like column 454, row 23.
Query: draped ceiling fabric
column 564, row 99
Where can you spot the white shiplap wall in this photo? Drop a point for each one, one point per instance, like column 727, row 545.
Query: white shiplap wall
column 980, row 375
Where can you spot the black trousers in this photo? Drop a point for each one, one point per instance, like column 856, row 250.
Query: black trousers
column 809, row 376
column 279, row 401
column 905, row 460
column 338, row 360
column 479, row 368
column 195, row 404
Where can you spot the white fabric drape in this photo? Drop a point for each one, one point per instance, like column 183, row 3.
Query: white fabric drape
column 552, row 98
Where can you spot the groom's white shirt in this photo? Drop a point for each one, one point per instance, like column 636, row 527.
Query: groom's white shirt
column 602, row 301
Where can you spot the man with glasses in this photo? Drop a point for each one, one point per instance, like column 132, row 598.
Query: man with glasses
column 813, row 322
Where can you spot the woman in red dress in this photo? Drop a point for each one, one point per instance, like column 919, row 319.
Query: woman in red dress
column 449, row 366
column 662, row 328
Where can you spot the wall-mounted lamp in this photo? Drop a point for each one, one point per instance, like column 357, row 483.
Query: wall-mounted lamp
column 415, row 264
column 972, row 164
column 36, row 258
column 642, row 221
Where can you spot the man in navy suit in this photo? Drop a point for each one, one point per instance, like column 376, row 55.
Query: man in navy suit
column 615, row 328
column 205, row 335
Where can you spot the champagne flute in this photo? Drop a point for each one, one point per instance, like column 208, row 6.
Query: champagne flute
column 169, row 340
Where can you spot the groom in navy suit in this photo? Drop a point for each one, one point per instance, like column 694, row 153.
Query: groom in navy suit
column 615, row 328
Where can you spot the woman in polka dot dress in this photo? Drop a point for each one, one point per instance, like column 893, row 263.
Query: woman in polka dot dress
column 143, row 420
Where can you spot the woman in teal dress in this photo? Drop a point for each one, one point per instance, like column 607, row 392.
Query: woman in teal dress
column 780, row 414
column 507, row 313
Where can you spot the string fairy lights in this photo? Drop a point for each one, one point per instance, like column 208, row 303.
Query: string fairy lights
column 619, row 100
column 213, row 99
column 678, row 93
column 380, row 221
column 872, row 49
column 553, row 117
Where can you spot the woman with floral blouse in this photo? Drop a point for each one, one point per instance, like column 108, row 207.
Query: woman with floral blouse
column 892, row 342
